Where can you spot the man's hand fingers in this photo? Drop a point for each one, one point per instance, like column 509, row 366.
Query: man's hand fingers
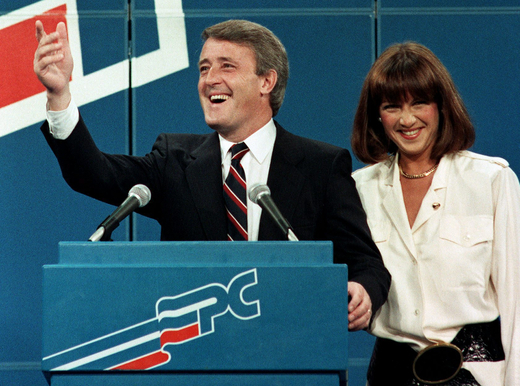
column 51, row 49
column 53, row 64
column 40, row 32
column 56, row 37
column 61, row 29
column 359, row 307
column 356, row 296
column 360, row 311
column 361, row 322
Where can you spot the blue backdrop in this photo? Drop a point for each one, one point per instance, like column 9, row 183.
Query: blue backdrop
column 127, row 103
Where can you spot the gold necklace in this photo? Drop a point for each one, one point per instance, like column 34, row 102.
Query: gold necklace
column 415, row 176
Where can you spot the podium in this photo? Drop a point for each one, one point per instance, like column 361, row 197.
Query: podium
column 195, row 313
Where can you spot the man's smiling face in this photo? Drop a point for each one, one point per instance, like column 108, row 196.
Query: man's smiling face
column 230, row 91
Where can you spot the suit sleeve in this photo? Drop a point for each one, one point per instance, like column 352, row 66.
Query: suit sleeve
column 347, row 227
column 105, row 177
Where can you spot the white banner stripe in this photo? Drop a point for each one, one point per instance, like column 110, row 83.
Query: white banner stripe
column 108, row 352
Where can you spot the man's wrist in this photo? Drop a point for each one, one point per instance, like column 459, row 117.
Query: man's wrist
column 58, row 102
column 63, row 122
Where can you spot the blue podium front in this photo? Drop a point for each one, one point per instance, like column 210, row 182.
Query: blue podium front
column 190, row 313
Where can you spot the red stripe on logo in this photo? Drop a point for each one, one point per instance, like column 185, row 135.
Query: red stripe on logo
column 17, row 45
column 149, row 361
column 157, row 358
column 177, row 336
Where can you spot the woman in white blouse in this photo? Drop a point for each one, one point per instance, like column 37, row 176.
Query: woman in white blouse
column 447, row 222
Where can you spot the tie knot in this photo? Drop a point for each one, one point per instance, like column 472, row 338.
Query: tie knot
column 238, row 150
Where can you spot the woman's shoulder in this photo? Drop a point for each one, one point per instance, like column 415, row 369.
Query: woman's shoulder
column 372, row 172
column 479, row 162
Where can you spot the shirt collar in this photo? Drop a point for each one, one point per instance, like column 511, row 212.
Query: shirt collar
column 439, row 179
column 260, row 143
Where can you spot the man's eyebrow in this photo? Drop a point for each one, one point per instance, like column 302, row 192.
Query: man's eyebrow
column 220, row 59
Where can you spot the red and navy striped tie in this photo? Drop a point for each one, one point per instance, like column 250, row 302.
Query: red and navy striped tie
column 235, row 195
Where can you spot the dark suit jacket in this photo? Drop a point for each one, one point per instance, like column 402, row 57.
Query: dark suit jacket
column 310, row 181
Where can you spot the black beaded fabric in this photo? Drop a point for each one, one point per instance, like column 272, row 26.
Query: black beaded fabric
column 391, row 362
column 477, row 345
column 463, row 378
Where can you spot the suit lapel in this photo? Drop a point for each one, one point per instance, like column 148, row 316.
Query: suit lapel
column 285, row 182
column 204, row 176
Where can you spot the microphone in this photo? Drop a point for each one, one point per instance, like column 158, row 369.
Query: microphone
column 138, row 197
column 261, row 195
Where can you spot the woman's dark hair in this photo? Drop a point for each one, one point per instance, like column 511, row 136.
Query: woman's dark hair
column 401, row 70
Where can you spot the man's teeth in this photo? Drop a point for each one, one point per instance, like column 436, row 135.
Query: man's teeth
column 219, row 98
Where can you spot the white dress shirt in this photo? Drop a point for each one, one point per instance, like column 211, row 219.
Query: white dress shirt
column 62, row 123
column 460, row 261
column 256, row 164
column 256, row 161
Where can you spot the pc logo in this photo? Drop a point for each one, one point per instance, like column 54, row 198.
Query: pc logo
column 179, row 319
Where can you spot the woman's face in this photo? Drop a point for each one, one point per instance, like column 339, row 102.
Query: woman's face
column 412, row 125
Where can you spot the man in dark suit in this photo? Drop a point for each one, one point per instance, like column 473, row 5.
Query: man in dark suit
column 243, row 74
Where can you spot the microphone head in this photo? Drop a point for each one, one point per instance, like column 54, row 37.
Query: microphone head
column 257, row 191
column 142, row 193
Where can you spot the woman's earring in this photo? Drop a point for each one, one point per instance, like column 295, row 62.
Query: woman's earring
column 380, row 120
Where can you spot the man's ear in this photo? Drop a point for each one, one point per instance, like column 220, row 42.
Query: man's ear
column 269, row 81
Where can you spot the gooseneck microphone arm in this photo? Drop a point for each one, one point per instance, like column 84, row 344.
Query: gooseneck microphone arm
column 261, row 195
column 138, row 197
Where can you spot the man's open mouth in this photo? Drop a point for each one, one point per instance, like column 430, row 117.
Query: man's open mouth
column 218, row 98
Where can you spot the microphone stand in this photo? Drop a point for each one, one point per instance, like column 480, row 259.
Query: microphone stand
column 102, row 234
column 291, row 236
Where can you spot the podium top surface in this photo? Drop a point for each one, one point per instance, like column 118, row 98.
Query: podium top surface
column 196, row 253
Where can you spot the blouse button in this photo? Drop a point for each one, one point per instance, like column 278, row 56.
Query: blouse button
column 417, row 312
column 467, row 237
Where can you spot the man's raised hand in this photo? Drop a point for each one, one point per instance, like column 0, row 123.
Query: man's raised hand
column 53, row 65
